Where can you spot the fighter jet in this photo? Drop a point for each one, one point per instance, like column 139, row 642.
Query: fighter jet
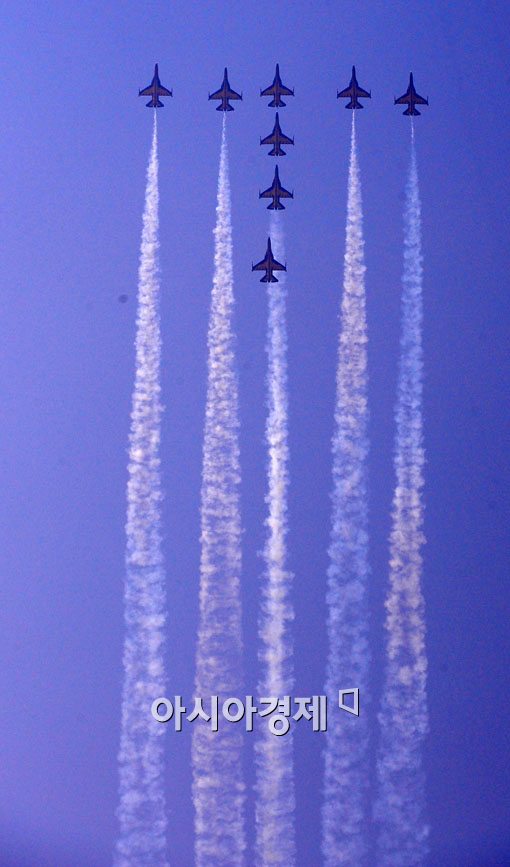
column 269, row 264
column 354, row 92
column 225, row 93
column 275, row 193
column 276, row 138
column 276, row 90
column 155, row 90
column 411, row 99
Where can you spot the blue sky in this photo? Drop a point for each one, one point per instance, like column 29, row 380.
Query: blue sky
column 75, row 142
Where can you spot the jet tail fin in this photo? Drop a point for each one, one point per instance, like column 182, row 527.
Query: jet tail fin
column 412, row 111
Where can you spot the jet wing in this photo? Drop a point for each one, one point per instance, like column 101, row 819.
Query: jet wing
column 262, row 266
column 274, row 89
column 268, row 194
column 268, row 263
column 269, row 139
column 231, row 94
column 344, row 94
column 419, row 100
column 284, row 139
column 363, row 93
column 147, row 91
column 284, row 194
column 162, row 91
column 218, row 94
column 273, row 139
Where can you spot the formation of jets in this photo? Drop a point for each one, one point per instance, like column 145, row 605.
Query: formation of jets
column 276, row 191
column 353, row 92
column 225, row 95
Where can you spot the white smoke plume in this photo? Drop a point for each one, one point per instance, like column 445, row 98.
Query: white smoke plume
column 275, row 798
column 345, row 812
column 218, row 787
column 141, row 810
column 400, row 807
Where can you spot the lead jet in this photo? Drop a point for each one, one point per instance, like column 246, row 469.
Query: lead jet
column 277, row 90
column 276, row 138
column 269, row 264
column 354, row 92
column 225, row 93
column 411, row 99
column 275, row 193
column 155, row 90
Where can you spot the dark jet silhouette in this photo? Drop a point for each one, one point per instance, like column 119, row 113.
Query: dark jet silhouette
column 225, row 93
column 353, row 92
column 155, row 90
column 411, row 99
column 268, row 264
column 276, row 138
column 277, row 90
column 275, row 193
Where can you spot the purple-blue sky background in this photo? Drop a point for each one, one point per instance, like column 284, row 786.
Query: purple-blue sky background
column 75, row 141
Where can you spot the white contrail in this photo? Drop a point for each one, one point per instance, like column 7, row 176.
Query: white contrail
column 345, row 811
column 141, row 811
column 218, row 787
column 275, row 802
column 400, row 807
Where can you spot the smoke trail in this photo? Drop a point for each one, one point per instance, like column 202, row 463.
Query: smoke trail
column 218, row 788
column 275, row 804
column 344, row 817
column 400, row 808
column 141, row 811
